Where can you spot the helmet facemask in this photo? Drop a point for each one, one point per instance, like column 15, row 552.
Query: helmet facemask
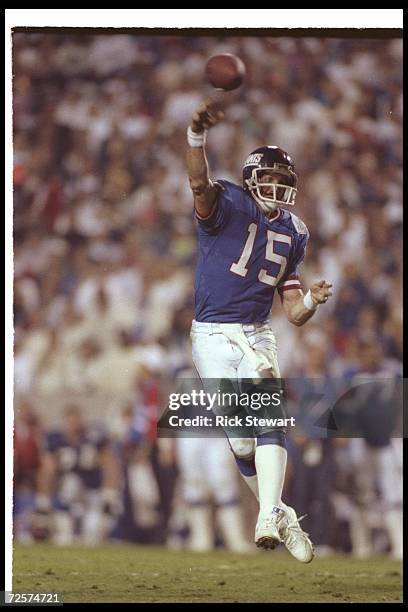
column 283, row 193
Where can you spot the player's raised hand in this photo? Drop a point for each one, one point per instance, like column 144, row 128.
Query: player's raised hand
column 321, row 291
column 206, row 116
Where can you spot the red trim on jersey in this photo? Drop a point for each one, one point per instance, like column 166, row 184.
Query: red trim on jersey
column 286, row 287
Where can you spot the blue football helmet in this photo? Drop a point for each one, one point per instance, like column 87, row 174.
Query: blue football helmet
column 258, row 167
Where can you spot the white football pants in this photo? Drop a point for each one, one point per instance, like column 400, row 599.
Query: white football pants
column 233, row 350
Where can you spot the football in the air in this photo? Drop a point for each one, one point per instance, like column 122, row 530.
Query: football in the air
column 225, row 71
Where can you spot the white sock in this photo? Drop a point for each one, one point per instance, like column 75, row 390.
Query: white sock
column 394, row 521
column 201, row 530
column 231, row 524
column 270, row 462
column 252, row 482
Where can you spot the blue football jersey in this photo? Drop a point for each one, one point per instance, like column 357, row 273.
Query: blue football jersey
column 80, row 457
column 244, row 257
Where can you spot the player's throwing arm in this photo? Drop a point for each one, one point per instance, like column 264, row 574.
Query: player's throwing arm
column 204, row 190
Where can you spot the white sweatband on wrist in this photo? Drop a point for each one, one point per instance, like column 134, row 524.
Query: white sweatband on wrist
column 308, row 301
column 194, row 139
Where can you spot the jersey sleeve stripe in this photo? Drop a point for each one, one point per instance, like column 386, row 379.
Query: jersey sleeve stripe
column 291, row 281
column 285, row 287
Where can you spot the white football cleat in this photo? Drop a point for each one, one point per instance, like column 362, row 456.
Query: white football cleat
column 267, row 530
column 294, row 538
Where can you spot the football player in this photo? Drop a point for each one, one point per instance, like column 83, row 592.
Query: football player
column 249, row 247
column 208, row 478
column 78, row 483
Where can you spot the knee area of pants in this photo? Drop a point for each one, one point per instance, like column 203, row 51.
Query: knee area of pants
column 243, row 449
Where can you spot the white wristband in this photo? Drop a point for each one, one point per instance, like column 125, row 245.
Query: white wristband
column 308, row 301
column 194, row 139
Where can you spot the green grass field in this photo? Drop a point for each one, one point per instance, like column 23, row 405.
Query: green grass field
column 124, row 573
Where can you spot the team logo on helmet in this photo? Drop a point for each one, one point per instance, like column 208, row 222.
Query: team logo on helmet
column 253, row 159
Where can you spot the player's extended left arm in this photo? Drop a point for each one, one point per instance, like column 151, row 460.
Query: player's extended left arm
column 300, row 307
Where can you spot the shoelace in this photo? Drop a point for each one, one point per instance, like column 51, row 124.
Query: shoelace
column 270, row 521
column 294, row 528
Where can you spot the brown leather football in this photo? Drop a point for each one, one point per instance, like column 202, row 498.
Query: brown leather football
column 225, row 71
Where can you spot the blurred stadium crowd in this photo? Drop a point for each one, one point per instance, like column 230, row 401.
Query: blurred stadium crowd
column 105, row 248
